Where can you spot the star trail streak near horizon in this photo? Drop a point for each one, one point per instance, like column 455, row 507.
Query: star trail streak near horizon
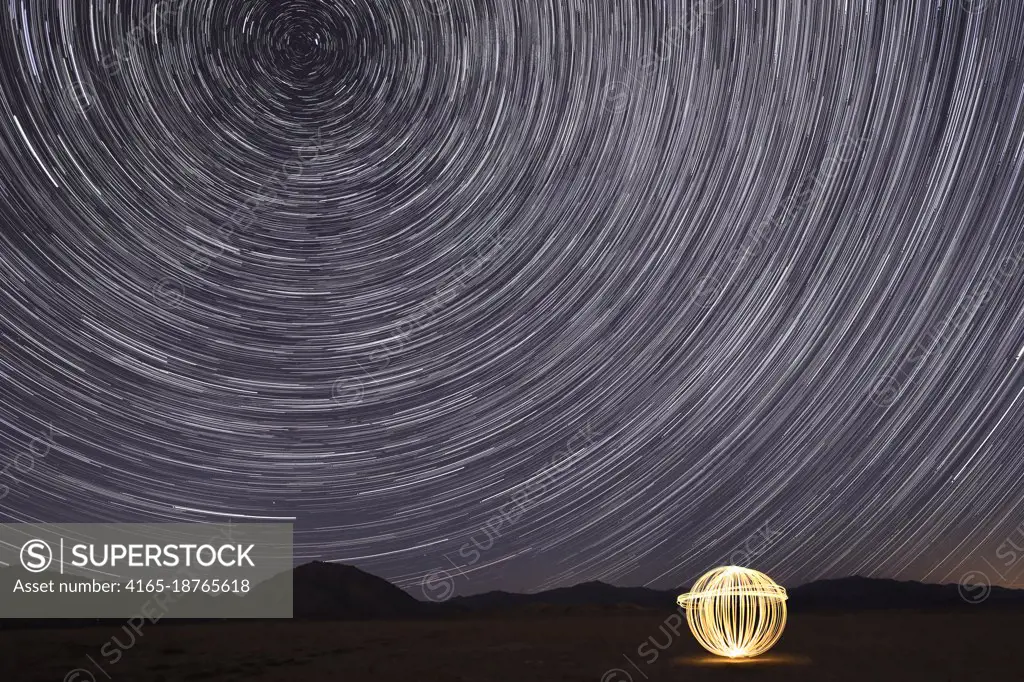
column 371, row 264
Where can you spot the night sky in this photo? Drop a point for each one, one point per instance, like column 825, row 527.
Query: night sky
column 377, row 266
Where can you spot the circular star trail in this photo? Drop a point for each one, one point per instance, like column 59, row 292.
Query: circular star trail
column 372, row 265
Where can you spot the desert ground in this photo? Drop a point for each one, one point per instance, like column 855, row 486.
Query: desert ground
column 610, row 647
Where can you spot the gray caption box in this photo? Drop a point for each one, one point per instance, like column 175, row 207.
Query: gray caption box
column 154, row 571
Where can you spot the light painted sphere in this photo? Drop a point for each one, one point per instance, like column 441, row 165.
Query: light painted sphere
column 735, row 612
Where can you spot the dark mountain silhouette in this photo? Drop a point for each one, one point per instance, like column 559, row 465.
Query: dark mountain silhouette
column 585, row 594
column 843, row 594
column 324, row 590
column 860, row 594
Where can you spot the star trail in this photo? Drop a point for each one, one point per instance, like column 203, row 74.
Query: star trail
column 754, row 269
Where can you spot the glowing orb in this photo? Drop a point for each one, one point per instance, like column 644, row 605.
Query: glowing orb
column 735, row 612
